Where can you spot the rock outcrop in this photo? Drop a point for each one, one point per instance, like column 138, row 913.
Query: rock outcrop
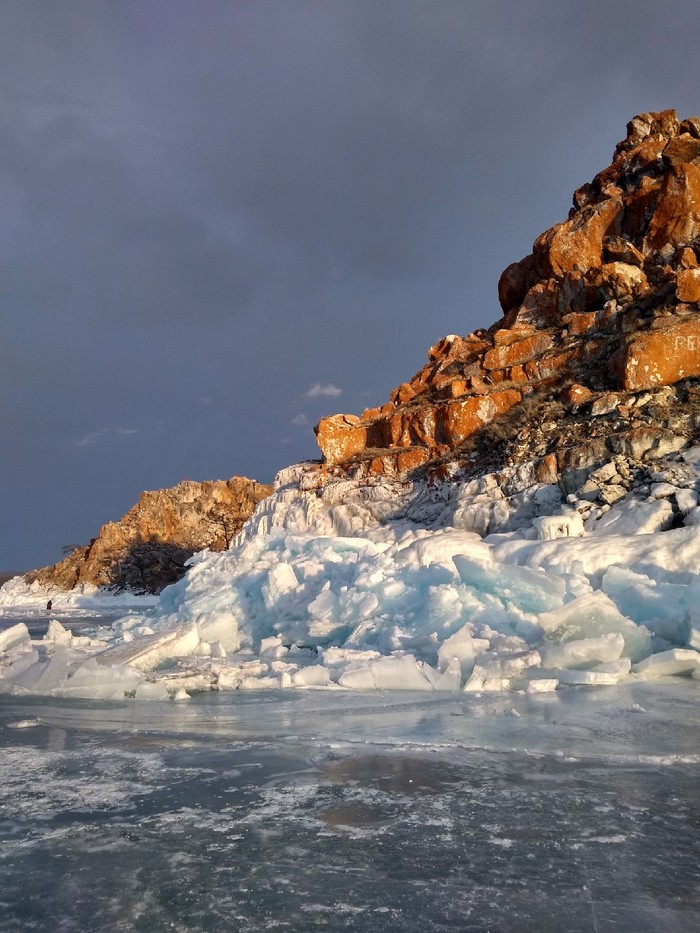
column 146, row 550
column 599, row 344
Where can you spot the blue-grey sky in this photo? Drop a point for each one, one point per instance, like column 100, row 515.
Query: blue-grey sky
column 223, row 219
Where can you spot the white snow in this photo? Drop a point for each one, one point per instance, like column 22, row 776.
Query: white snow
column 385, row 585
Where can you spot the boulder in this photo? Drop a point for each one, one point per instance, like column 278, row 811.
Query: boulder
column 462, row 419
column 661, row 357
column 618, row 249
column 514, row 283
column 577, row 244
column 520, row 351
column 340, row 437
column 688, row 284
column 676, row 218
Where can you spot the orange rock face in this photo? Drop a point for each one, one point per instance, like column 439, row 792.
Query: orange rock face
column 518, row 352
column 662, row 357
column 609, row 300
column 462, row 419
column 682, row 150
column 622, row 280
column 577, row 245
column 580, row 323
column 411, row 459
column 688, row 285
column 676, row 219
column 341, row 437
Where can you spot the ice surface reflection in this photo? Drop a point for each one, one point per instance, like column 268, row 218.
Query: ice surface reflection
column 301, row 811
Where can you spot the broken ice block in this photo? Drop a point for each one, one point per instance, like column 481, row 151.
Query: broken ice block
column 542, row 685
column 641, row 598
column 314, row 676
column 402, row 673
column 441, row 546
column 97, row 681
column 220, row 626
column 273, row 647
column 58, row 634
column 20, row 662
column 15, row 635
column 260, row 683
column 360, row 678
column 281, row 580
column 587, row 678
column 44, row 676
column 150, row 651
column 592, row 615
column 529, row 590
column 494, row 670
column 634, row 518
column 549, row 527
column 692, row 628
column 451, row 677
column 460, row 647
column 485, row 681
column 673, row 662
column 583, row 652
column 619, row 668
column 150, row 691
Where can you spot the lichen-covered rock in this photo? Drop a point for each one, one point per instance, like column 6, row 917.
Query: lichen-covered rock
column 577, row 245
column 688, row 285
column 462, row 419
column 608, row 303
column 340, row 437
column 519, row 351
column 662, row 357
column 676, row 218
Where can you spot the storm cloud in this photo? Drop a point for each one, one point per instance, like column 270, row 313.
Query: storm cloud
column 245, row 201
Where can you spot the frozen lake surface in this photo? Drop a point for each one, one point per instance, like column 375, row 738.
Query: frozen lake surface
column 304, row 810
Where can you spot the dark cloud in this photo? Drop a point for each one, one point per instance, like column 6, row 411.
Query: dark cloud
column 242, row 201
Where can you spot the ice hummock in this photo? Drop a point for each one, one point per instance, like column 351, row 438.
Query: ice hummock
column 389, row 587
column 17, row 594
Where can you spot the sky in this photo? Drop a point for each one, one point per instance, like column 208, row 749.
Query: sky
column 225, row 219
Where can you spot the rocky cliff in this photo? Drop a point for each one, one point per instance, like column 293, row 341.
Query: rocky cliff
column 146, row 550
column 522, row 514
column 597, row 353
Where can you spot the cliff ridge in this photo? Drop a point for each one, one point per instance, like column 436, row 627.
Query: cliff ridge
column 598, row 350
column 146, row 550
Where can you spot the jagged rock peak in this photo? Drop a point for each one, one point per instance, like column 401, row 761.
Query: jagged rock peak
column 146, row 549
column 607, row 305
